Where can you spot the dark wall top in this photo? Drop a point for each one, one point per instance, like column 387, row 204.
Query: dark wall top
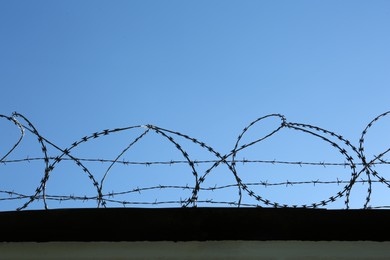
column 194, row 224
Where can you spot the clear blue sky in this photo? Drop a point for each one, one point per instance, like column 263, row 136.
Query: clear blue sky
column 204, row 68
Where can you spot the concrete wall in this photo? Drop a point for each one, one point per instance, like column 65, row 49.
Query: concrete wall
column 197, row 250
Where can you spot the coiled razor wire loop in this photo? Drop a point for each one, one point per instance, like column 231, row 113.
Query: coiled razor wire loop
column 343, row 146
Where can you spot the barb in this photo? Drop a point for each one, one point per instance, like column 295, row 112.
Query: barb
column 352, row 158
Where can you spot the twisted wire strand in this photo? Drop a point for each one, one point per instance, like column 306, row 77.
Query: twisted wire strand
column 353, row 157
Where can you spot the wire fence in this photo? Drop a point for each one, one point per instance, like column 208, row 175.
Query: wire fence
column 367, row 172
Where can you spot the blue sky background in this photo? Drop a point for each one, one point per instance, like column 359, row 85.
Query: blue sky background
column 203, row 68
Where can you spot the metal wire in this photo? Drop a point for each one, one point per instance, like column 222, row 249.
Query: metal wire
column 353, row 158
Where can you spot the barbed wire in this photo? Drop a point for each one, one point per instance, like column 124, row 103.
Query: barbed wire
column 172, row 162
column 354, row 159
